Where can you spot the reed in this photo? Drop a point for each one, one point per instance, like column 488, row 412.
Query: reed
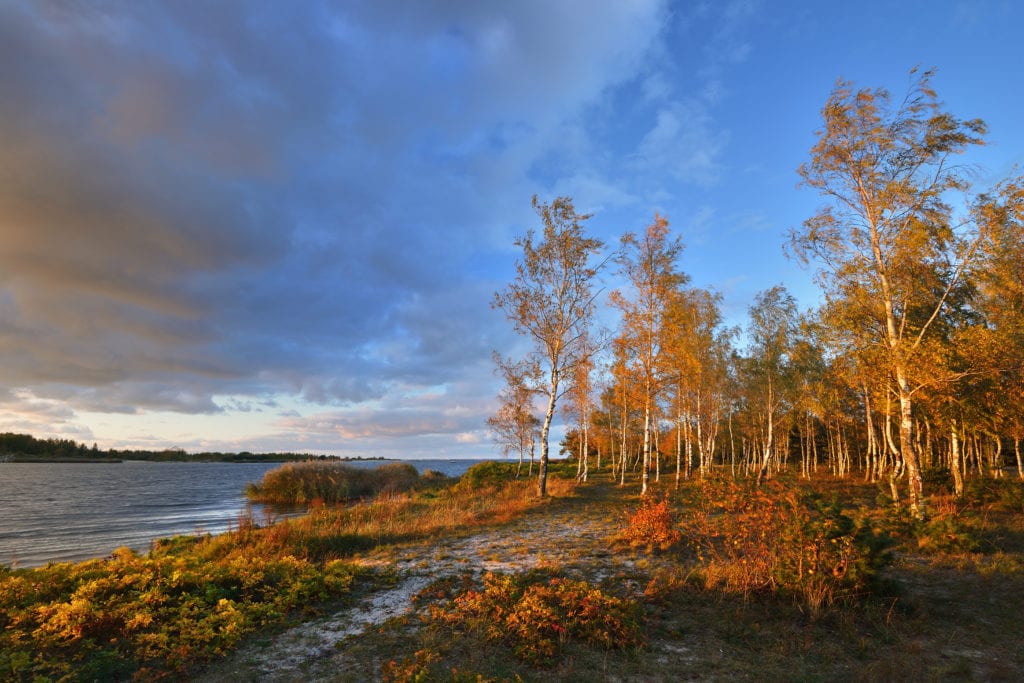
column 331, row 482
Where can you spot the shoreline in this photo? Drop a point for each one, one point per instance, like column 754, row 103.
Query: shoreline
column 19, row 459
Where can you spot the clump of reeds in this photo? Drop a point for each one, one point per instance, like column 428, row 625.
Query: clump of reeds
column 330, row 482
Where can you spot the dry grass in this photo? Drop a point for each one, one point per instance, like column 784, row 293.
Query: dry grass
column 942, row 611
column 947, row 614
column 194, row 599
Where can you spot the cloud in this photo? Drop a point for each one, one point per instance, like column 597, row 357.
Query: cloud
column 684, row 143
column 22, row 412
column 207, row 206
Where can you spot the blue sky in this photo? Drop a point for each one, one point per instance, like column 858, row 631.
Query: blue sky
column 278, row 226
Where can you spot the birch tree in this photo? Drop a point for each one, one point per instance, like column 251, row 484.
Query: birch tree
column 1001, row 218
column 648, row 262
column 769, row 368
column 696, row 355
column 551, row 299
column 514, row 425
column 886, row 171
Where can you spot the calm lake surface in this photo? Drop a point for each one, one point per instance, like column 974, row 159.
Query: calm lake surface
column 56, row 512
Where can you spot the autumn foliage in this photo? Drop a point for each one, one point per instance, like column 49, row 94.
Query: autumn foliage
column 193, row 598
column 537, row 613
column 781, row 538
column 653, row 525
column 165, row 612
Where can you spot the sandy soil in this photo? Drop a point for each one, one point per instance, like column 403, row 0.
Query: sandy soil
column 574, row 537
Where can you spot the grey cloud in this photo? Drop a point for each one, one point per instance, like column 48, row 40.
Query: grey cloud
column 396, row 423
column 243, row 199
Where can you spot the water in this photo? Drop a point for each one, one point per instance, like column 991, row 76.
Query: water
column 52, row 512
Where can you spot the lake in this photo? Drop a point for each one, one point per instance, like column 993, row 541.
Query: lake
column 52, row 512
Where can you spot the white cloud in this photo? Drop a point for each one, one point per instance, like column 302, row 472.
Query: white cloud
column 684, row 144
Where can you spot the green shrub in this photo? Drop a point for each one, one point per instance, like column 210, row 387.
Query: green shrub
column 104, row 619
column 1005, row 494
column 485, row 474
column 192, row 599
column 937, row 480
column 947, row 534
column 563, row 468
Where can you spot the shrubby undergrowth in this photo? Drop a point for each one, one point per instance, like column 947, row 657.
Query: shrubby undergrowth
column 143, row 616
column 780, row 538
column 653, row 525
column 535, row 614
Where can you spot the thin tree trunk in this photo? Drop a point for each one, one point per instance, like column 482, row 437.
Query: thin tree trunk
column 732, row 450
column 954, row 460
column 656, row 453
column 579, row 456
column 1020, row 462
column 542, row 479
column 622, row 459
column 872, row 449
column 586, row 448
column 768, row 439
column 679, row 443
column 645, row 474
column 997, row 457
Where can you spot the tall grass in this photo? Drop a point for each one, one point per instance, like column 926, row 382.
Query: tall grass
column 398, row 517
column 330, row 482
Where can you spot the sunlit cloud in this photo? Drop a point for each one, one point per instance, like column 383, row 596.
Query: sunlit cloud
column 250, row 225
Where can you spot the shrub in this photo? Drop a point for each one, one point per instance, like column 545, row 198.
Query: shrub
column 537, row 614
column 193, row 598
column 937, row 480
column 947, row 534
column 486, row 474
column 103, row 619
column 779, row 538
column 652, row 525
column 1005, row 494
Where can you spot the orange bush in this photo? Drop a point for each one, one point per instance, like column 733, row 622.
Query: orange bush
column 537, row 614
column 653, row 525
column 781, row 538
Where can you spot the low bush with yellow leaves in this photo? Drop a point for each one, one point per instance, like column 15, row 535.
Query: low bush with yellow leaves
column 193, row 598
column 537, row 613
column 138, row 615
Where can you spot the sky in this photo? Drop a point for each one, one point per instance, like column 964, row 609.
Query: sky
column 279, row 226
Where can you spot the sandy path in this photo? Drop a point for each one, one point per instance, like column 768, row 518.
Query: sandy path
column 573, row 536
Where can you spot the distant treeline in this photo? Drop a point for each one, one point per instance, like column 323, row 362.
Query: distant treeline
column 20, row 446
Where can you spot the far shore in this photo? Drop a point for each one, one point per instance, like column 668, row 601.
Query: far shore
column 43, row 459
